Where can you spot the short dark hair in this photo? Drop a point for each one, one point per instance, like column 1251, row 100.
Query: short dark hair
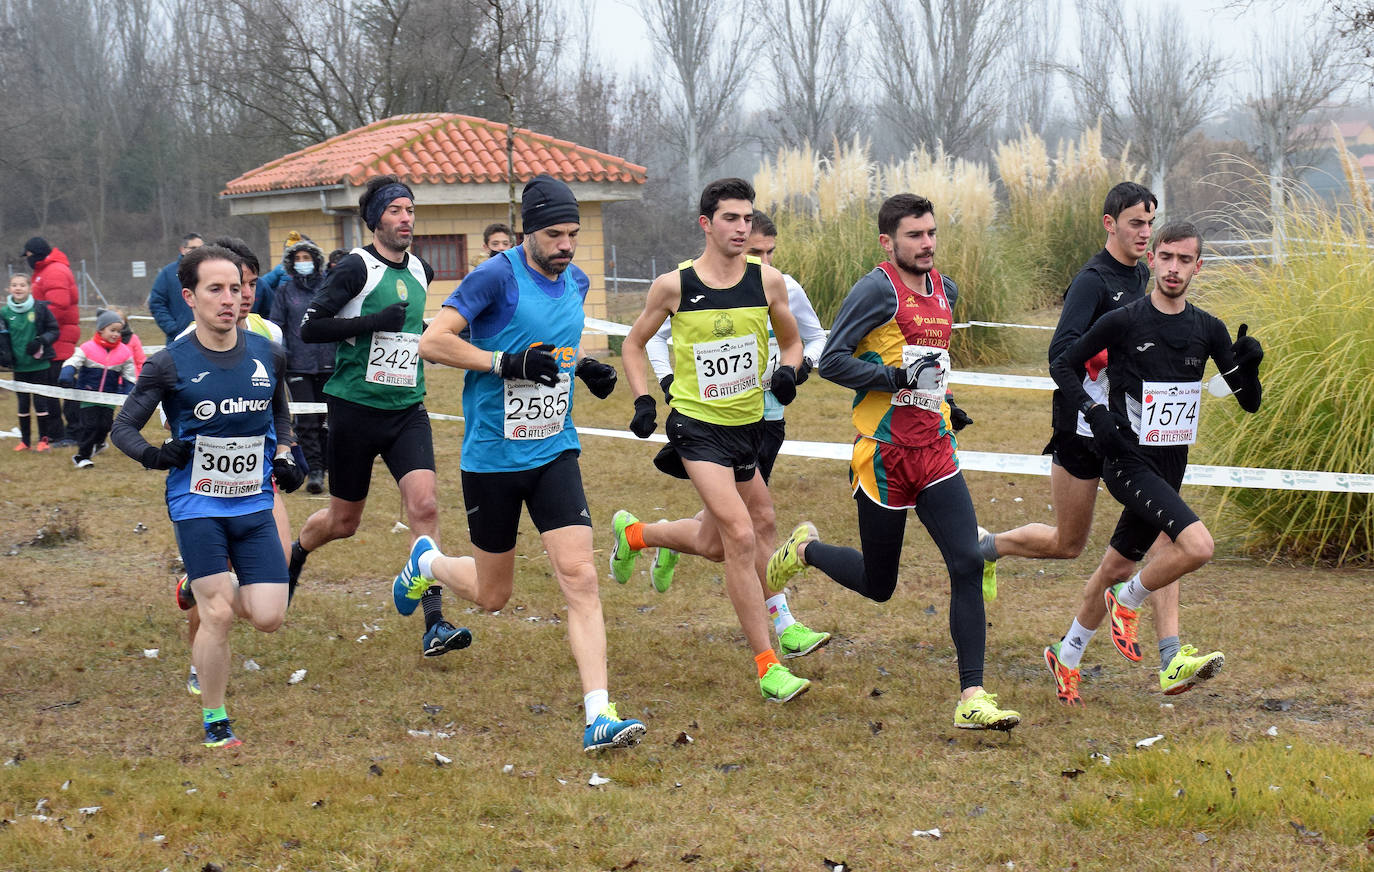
column 497, row 228
column 763, row 225
column 1124, row 195
column 336, row 255
column 1177, row 231
column 188, row 237
column 188, row 271
column 900, row 206
column 724, row 189
column 239, row 247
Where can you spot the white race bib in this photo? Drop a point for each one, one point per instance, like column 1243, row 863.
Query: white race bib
column 227, row 466
column 393, row 359
column 726, row 367
column 1169, row 412
column 534, row 411
column 930, row 399
column 773, row 361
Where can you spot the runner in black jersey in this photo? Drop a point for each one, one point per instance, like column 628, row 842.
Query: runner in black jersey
column 373, row 304
column 1158, row 347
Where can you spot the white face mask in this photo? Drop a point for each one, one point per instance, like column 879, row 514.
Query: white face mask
column 304, row 268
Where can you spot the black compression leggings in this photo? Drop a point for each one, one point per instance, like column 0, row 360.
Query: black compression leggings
column 946, row 510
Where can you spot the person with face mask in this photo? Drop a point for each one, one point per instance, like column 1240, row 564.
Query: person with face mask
column 308, row 364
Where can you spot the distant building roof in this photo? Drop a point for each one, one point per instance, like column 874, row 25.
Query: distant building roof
column 433, row 148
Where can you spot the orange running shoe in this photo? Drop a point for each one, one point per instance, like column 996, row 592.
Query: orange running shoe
column 1123, row 622
column 1065, row 679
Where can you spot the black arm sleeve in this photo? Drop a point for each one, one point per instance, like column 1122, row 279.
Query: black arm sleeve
column 159, row 376
column 340, row 286
column 1244, row 383
column 1067, row 368
column 281, row 400
column 1082, row 301
column 46, row 323
column 870, row 304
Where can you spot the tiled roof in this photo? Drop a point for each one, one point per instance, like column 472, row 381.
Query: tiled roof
column 434, row 148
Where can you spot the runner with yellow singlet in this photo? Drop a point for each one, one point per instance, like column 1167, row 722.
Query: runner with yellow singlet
column 721, row 305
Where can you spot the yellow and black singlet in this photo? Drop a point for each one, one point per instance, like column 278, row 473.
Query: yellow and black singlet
column 720, row 346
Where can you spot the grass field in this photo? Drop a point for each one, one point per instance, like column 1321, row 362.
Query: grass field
column 1267, row 767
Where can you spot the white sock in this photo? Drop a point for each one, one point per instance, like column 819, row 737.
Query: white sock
column 193, row 669
column 779, row 612
column 1134, row 594
column 595, row 702
column 426, row 562
column 1075, row 643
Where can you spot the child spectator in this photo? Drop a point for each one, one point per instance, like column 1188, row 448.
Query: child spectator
column 32, row 330
column 104, row 364
column 131, row 339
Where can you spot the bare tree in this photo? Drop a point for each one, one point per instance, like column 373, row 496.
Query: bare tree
column 810, row 50
column 1146, row 81
column 938, row 65
column 1296, row 72
column 702, row 46
column 1032, row 55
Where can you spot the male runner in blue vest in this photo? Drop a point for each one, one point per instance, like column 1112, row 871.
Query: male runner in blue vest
column 524, row 308
column 224, row 392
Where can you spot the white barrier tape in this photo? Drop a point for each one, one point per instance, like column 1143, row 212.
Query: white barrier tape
column 997, row 380
column 601, row 326
column 963, row 324
column 975, row 461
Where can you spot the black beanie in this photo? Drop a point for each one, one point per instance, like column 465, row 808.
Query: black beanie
column 547, row 201
column 38, row 247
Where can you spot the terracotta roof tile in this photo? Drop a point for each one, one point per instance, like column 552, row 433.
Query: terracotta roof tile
column 434, row 148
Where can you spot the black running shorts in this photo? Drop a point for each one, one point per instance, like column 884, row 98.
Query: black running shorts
column 359, row 434
column 737, row 447
column 552, row 493
column 1147, row 487
column 1076, row 454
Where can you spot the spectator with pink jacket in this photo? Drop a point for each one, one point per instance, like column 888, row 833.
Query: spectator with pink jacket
column 104, row 364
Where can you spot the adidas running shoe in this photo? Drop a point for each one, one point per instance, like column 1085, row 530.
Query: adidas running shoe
column 1123, row 623
column 609, row 731
column 786, row 564
column 799, row 640
column 622, row 556
column 443, row 637
column 778, row 684
column 219, row 735
column 980, row 712
column 410, row 585
column 1188, row 669
column 1065, row 678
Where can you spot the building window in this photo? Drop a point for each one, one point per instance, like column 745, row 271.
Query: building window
column 446, row 254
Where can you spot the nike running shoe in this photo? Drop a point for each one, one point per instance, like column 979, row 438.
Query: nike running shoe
column 410, row 585
column 622, row 556
column 186, row 600
column 799, row 640
column 193, row 683
column 609, row 731
column 219, row 735
column 980, row 712
column 778, row 684
column 1188, row 669
column 1123, row 622
column 665, row 563
column 785, row 564
column 1065, row 679
column 989, row 568
column 443, row 637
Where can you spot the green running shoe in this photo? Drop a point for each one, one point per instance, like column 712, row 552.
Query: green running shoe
column 980, row 712
column 1188, row 669
column 785, row 564
column 799, row 640
column 989, row 570
column 665, row 562
column 778, row 684
column 622, row 557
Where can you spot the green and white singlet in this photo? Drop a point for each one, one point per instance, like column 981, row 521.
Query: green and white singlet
column 383, row 369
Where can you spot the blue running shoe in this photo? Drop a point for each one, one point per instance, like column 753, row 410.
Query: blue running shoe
column 410, row 585
column 443, row 637
column 609, row 731
column 219, row 735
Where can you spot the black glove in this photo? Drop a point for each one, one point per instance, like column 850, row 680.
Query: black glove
column 923, row 373
column 597, row 376
column 1247, row 350
column 172, row 454
column 804, row 371
column 666, row 383
column 958, row 418
column 784, row 384
column 644, row 421
column 35, row 349
column 1107, row 429
column 533, row 364
column 390, row 319
column 289, row 476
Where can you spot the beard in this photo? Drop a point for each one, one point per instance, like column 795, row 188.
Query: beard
column 393, row 240
column 910, row 265
column 546, row 263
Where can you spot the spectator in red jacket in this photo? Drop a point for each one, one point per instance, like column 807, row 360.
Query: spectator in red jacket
column 54, row 284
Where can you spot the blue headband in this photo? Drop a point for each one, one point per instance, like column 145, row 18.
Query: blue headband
column 380, row 200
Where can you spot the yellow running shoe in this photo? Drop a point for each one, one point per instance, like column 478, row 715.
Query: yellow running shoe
column 1188, row 669
column 980, row 712
column 785, row 564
